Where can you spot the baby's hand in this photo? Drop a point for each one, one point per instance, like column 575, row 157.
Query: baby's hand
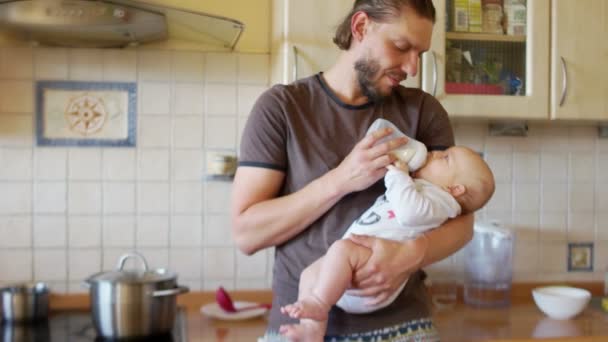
column 399, row 165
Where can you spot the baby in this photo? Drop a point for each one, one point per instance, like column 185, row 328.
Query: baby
column 451, row 182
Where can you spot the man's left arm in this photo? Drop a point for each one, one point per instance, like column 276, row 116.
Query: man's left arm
column 392, row 262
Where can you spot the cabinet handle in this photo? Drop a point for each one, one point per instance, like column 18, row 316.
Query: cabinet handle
column 435, row 75
column 564, row 82
column 295, row 63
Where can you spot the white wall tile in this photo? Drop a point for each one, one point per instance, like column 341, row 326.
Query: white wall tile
column 50, row 197
column 119, row 198
column 189, row 99
column 50, row 264
column 16, row 198
column 187, row 198
column 155, row 98
column 187, row 165
column 118, row 164
column 51, row 64
column 554, row 197
column 526, row 226
column 247, row 96
column 554, row 139
column 601, row 225
column 218, row 263
column 84, row 231
column 213, row 284
column 600, row 257
column 154, row 65
column 217, row 197
column 155, row 131
column 153, row 198
column 188, row 66
column 525, row 258
column 582, row 167
column 220, row 99
column 602, row 168
column 554, row 167
column 153, row 164
column 526, row 167
column 220, row 133
column 221, row 67
column 16, row 130
column 118, row 231
column 258, row 283
column 119, row 65
column 50, row 231
column 253, row 266
column 601, row 194
column 188, row 132
column 83, row 263
column 582, row 139
column 554, row 257
column 553, row 226
column 111, row 256
column 50, row 163
column 502, row 198
column 85, row 64
column 16, row 163
column 581, row 197
column 84, row 198
column 186, row 231
column 17, row 63
column 253, row 68
column 16, row 265
column 499, row 144
column 156, row 257
column 15, row 232
column 217, row 231
column 16, row 97
column 527, row 198
column 152, row 231
column 581, row 227
column 84, row 164
column 186, row 262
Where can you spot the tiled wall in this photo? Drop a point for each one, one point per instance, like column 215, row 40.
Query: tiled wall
column 66, row 213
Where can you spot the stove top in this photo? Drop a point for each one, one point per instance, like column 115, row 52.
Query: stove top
column 77, row 326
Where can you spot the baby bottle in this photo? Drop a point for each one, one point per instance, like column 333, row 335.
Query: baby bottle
column 413, row 153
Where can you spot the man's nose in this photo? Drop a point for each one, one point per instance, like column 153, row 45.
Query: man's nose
column 410, row 63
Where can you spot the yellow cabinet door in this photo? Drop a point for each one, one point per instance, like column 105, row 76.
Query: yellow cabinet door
column 579, row 60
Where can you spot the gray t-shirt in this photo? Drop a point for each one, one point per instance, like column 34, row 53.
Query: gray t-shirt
column 304, row 130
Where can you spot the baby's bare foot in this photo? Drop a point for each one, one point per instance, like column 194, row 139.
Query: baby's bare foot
column 306, row 331
column 309, row 307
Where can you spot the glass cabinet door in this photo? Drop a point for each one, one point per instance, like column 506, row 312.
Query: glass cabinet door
column 490, row 58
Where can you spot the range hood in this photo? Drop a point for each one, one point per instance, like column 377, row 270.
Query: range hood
column 114, row 23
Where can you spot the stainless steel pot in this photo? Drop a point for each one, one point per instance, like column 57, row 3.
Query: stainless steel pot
column 25, row 303
column 133, row 303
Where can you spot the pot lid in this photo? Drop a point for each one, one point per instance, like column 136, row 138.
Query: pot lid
column 143, row 275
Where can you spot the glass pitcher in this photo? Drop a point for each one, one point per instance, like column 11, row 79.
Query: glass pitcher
column 489, row 266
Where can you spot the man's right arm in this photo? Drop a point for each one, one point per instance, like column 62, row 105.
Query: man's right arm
column 260, row 219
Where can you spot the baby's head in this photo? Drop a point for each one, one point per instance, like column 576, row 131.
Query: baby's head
column 461, row 172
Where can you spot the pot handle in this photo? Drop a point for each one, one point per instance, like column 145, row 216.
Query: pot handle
column 135, row 255
column 170, row 292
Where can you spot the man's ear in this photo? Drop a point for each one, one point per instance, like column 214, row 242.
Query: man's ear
column 358, row 25
column 457, row 190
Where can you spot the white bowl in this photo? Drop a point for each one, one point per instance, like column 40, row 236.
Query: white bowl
column 561, row 302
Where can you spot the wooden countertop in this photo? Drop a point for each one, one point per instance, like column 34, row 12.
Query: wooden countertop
column 521, row 322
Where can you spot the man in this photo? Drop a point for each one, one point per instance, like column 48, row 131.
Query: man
column 307, row 170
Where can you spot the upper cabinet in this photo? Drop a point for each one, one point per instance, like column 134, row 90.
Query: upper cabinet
column 302, row 33
column 579, row 60
column 489, row 58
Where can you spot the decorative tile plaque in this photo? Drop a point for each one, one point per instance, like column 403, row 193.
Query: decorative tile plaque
column 70, row 113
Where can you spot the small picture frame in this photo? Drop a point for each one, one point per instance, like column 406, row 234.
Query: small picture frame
column 580, row 257
column 75, row 113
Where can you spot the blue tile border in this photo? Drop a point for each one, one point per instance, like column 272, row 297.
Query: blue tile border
column 580, row 268
column 130, row 87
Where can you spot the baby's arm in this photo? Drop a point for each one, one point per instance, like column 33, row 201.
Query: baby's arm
column 411, row 207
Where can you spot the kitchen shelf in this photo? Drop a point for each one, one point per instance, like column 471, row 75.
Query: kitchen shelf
column 485, row 37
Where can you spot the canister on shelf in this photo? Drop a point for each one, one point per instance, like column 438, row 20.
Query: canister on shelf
column 492, row 15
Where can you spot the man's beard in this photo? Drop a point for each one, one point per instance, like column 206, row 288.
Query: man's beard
column 367, row 69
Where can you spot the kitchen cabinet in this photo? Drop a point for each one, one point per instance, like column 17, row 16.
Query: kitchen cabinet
column 302, row 33
column 579, row 60
column 490, row 74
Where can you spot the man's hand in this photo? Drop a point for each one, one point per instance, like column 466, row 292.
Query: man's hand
column 366, row 163
column 391, row 263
